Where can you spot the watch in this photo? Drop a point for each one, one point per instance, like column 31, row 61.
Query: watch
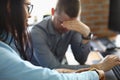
column 89, row 37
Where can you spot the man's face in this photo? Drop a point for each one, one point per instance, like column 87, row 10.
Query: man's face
column 58, row 20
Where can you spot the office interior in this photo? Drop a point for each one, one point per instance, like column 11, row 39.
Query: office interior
column 95, row 14
column 103, row 18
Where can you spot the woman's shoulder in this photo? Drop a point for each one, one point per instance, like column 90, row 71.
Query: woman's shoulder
column 7, row 54
column 4, row 47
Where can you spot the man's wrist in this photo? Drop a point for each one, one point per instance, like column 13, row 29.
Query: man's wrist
column 89, row 37
column 98, row 66
column 95, row 66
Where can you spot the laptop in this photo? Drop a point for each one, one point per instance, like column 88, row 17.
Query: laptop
column 114, row 74
column 105, row 50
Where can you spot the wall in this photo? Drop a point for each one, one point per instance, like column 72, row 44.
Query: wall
column 95, row 14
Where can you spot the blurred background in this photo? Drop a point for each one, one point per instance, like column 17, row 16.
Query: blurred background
column 102, row 16
column 95, row 13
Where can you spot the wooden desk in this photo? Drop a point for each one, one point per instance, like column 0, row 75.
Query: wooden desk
column 93, row 57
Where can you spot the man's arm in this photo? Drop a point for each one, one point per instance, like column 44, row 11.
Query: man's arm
column 43, row 55
column 80, row 50
column 46, row 58
column 79, row 47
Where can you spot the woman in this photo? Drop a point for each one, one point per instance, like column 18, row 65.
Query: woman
column 13, row 63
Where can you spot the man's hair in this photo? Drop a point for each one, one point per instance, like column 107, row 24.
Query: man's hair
column 70, row 7
column 12, row 21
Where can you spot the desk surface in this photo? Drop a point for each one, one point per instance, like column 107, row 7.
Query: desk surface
column 93, row 57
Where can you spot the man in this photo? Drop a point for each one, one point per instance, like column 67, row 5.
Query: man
column 52, row 36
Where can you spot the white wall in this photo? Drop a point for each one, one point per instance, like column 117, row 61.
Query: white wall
column 40, row 8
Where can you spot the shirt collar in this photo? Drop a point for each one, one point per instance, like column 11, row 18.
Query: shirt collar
column 51, row 28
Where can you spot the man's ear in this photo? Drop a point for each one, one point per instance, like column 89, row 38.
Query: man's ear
column 52, row 11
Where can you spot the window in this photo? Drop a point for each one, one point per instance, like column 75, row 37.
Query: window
column 41, row 8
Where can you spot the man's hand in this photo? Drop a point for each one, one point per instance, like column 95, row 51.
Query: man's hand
column 78, row 26
column 107, row 63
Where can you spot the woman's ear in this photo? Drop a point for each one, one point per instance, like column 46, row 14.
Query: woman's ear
column 52, row 11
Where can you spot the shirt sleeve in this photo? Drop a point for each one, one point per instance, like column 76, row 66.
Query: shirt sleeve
column 12, row 67
column 80, row 50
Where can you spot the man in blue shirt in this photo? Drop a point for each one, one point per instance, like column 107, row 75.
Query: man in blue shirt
column 51, row 37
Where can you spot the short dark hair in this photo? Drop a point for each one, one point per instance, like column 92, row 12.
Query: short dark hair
column 70, row 7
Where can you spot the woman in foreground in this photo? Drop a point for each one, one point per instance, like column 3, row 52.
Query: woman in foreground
column 14, row 64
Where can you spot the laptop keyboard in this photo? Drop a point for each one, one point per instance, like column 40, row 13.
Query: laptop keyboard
column 107, row 43
column 111, row 50
column 116, row 71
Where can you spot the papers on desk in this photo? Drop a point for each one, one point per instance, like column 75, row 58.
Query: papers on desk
column 93, row 58
column 98, row 46
column 70, row 58
column 103, row 44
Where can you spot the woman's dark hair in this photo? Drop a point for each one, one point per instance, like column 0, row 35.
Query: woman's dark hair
column 12, row 21
column 70, row 7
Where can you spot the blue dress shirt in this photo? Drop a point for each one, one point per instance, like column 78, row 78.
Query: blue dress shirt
column 13, row 67
column 50, row 46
